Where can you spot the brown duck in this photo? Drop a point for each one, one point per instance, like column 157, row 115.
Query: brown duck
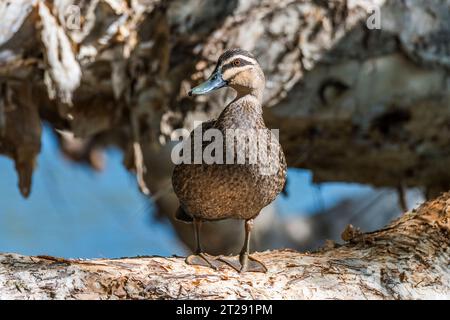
column 241, row 188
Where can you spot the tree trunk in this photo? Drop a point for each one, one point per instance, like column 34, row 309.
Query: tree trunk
column 409, row 259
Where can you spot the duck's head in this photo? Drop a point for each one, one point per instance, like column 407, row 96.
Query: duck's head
column 238, row 69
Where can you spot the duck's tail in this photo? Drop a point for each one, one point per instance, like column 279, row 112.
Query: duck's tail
column 183, row 216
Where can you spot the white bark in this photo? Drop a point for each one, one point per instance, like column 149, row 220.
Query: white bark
column 352, row 104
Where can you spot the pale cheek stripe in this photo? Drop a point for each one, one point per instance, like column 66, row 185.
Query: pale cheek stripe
column 239, row 56
column 230, row 73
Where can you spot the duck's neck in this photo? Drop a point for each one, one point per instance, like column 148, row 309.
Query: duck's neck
column 245, row 111
column 249, row 103
column 249, row 93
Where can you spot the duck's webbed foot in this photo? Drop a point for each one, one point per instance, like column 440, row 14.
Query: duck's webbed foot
column 204, row 260
column 244, row 263
column 199, row 258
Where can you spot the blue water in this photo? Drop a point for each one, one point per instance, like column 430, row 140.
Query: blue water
column 306, row 198
column 75, row 212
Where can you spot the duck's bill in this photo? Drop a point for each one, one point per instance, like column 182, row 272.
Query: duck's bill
column 214, row 82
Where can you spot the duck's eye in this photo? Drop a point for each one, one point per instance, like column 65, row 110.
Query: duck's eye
column 236, row 63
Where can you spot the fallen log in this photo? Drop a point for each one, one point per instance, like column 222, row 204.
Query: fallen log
column 408, row 259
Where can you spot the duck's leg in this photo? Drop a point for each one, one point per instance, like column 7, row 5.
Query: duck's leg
column 246, row 262
column 199, row 258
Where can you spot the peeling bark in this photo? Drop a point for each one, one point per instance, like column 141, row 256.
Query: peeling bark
column 349, row 101
column 409, row 259
column 352, row 104
column 21, row 132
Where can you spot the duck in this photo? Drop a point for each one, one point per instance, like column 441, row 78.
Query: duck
column 240, row 187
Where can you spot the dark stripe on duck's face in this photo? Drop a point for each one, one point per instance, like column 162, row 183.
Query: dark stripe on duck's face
column 235, row 64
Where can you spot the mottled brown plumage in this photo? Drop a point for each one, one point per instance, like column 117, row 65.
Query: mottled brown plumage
column 233, row 191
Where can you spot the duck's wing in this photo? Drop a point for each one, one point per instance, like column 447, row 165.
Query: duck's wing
column 181, row 172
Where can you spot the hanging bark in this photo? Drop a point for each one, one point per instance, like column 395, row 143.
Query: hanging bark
column 409, row 259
